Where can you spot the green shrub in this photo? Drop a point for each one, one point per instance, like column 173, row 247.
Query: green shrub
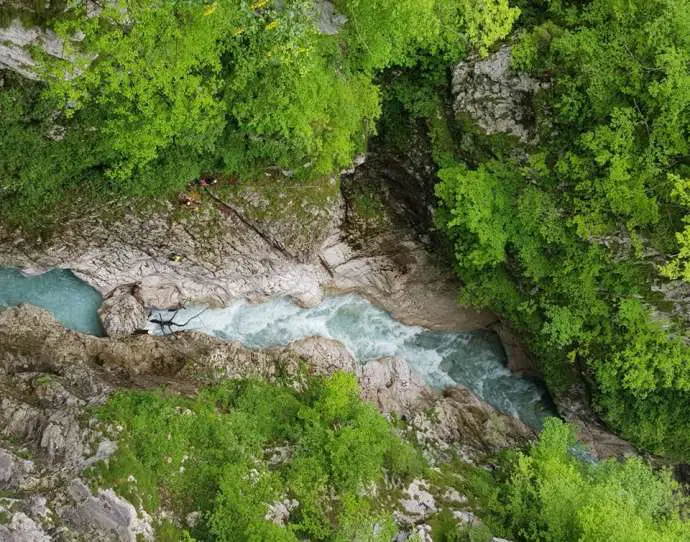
column 212, row 454
column 553, row 496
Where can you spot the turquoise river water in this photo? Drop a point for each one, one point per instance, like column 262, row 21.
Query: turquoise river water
column 474, row 359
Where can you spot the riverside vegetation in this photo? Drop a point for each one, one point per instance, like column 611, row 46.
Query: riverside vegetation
column 220, row 456
column 553, row 234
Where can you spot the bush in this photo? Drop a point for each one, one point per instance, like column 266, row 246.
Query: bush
column 213, row 454
column 553, row 496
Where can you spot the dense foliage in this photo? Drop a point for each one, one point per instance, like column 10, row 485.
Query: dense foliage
column 216, row 462
column 155, row 92
column 555, row 241
column 550, row 495
column 235, row 449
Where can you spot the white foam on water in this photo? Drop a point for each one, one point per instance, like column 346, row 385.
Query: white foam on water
column 476, row 360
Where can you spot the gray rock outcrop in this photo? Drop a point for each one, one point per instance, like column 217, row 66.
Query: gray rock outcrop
column 573, row 406
column 392, row 385
column 329, row 20
column 205, row 258
column 217, row 254
column 16, row 42
column 16, row 50
column 458, row 422
column 107, row 514
column 496, row 97
column 14, row 471
column 122, row 313
column 23, row 529
column 518, row 359
column 417, row 504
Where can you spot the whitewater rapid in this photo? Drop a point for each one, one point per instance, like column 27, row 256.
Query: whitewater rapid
column 474, row 359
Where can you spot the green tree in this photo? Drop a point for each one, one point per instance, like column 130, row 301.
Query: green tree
column 553, row 240
column 550, row 495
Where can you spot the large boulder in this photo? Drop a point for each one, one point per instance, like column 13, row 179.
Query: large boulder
column 14, row 471
column 392, row 385
column 122, row 313
column 107, row 514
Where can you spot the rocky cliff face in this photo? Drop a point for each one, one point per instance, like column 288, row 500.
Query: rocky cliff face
column 50, row 376
column 229, row 246
column 494, row 96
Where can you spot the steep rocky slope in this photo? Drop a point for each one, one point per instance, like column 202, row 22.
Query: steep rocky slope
column 50, row 377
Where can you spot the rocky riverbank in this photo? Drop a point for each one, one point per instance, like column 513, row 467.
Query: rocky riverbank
column 50, row 376
column 227, row 245
column 251, row 244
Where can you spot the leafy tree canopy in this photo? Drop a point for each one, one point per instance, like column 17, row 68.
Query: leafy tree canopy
column 161, row 90
column 535, row 233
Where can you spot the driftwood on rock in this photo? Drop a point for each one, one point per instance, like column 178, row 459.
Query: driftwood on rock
column 170, row 322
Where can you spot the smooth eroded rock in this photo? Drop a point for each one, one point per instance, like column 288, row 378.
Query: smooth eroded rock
column 122, row 313
column 392, row 385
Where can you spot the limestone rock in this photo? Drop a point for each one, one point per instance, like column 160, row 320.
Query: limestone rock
column 574, row 407
column 279, row 511
column 417, row 503
column 48, row 375
column 107, row 512
column 122, row 313
column 329, row 19
column 460, row 422
column 676, row 292
column 494, row 96
column 16, row 42
column 398, row 274
column 452, row 496
column 193, row 518
column 278, row 455
column 13, row 470
column 326, row 356
column 380, row 248
column 467, row 518
column 37, row 507
column 34, row 341
column 206, row 258
column 392, row 385
column 23, row 529
column 214, row 256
